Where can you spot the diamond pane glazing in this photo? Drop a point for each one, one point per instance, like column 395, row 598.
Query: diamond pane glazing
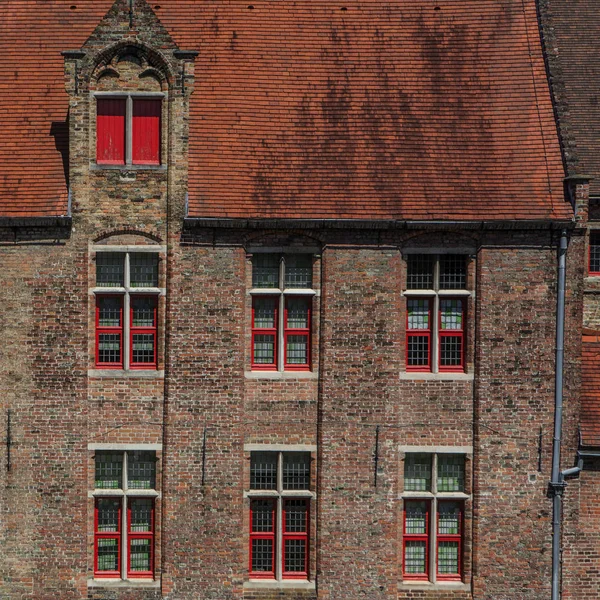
column 108, row 554
column 415, row 557
column 419, row 272
column 109, row 311
column 108, row 515
column 451, row 473
column 109, row 470
column 295, row 556
column 262, row 516
column 298, row 271
column 110, row 269
column 263, row 470
column 140, row 555
column 140, row 514
column 453, row 272
column 296, row 470
column 417, row 473
column 295, row 516
column 265, row 271
column 262, row 555
column 416, row 517
column 448, row 558
column 143, row 267
column 141, row 470
column 449, row 518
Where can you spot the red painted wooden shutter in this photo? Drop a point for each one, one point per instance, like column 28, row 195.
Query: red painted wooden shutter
column 110, row 131
column 146, row 132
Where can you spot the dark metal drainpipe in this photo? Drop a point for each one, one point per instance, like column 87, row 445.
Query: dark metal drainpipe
column 557, row 483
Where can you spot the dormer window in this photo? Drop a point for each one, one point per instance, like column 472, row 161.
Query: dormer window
column 128, row 129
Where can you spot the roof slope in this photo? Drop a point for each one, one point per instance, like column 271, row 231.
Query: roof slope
column 404, row 109
column 573, row 32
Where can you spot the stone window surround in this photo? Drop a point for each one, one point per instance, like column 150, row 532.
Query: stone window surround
column 467, row 452
column 129, row 96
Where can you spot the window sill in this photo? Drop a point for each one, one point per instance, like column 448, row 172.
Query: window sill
column 137, row 493
column 281, row 374
column 270, row 584
column 122, row 374
column 427, row 585
column 97, row 167
column 123, row 583
column 447, row 376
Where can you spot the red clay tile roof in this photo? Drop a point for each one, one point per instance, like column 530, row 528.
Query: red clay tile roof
column 573, row 32
column 405, row 109
column 590, row 391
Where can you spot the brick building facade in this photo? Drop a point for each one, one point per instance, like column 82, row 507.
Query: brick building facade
column 278, row 296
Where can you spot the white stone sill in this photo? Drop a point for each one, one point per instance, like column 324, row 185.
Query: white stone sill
column 428, row 586
column 122, row 374
column 416, row 376
column 278, row 375
column 271, row 584
column 123, row 583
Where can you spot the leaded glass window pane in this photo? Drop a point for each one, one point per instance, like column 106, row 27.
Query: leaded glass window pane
column 142, row 347
column 418, row 313
column 262, row 516
column 295, row 556
column 143, row 269
column 262, row 555
column 453, row 272
column 295, row 516
column 109, row 470
column 265, row 270
column 420, row 272
column 417, row 473
column 451, row 351
column 448, row 558
column 451, row 314
column 109, row 348
column 141, row 470
column 265, row 310
column 415, row 561
column 296, row 470
column 140, row 515
column 297, row 350
column 594, row 253
column 108, row 554
column 263, row 470
column 449, row 514
column 416, row 517
column 110, row 269
column 451, row 473
column 110, row 311
column 140, row 555
column 298, row 310
column 264, row 349
column 108, row 515
column 144, row 311
column 298, row 271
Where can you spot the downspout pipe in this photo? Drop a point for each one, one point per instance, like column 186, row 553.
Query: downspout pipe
column 557, row 483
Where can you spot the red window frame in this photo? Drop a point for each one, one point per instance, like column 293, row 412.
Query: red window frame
column 111, row 119
column 145, row 131
column 457, row 537
column 304, row 332
column 139, row 535
column 416, row 537
column 98, row 535
column 295, row 535
column 410, row 333
column 457, row 333
column 263, row 535
column 144, row 331
column 266, row 331
column 109, row 330
column 593, row 242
